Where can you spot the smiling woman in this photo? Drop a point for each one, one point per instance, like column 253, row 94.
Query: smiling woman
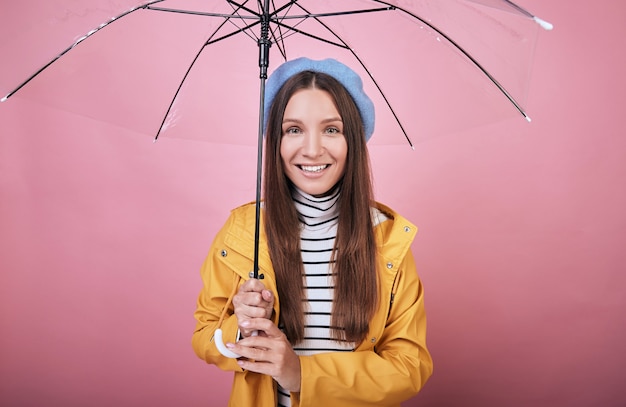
column 313, row 147
column 338, row 314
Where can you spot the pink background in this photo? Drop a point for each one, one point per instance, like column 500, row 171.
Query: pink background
column 521, row 245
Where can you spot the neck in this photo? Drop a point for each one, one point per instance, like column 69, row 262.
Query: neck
column 314, row 210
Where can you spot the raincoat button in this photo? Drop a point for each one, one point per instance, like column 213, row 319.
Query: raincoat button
column 390, row 265
column 224, row 253
column 407, row 229
column 373, row 340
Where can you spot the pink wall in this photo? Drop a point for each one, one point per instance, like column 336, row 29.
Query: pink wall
column 521, row 244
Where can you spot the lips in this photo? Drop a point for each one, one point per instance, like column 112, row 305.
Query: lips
column 313, row 168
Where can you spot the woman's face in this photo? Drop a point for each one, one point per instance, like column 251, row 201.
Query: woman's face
column 313, row 147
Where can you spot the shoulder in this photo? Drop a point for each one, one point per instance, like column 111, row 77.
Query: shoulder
column 382, row 213
column 240, row 222
column 244, row 211
column 394, row 233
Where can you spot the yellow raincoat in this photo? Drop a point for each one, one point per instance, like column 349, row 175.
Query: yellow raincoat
column 390, row 366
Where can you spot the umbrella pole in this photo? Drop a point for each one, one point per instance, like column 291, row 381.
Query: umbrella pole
column 264, row 55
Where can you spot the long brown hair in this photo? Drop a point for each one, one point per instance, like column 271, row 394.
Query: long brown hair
column 356, row 293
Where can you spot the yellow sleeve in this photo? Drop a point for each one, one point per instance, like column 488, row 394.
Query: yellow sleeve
column 219, row 282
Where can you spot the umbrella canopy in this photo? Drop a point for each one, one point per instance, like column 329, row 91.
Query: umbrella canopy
column 485, row 46
column 432, row 66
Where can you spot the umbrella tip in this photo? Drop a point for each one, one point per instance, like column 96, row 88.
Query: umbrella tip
column 543, row 23
column 528, row 119
column 4, row 99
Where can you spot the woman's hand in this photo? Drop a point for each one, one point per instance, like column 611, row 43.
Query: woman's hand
column 269, row 353
column 252, row 300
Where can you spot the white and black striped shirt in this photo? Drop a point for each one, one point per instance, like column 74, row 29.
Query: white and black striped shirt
column 319, row 218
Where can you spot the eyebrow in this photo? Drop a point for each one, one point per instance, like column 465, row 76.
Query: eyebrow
column 329, row 120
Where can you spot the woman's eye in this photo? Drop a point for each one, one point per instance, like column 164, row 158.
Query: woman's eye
column 292, row 130
column 333, row 130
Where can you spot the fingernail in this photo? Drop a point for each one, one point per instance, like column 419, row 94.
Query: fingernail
column 229, row 345
column 245, row 323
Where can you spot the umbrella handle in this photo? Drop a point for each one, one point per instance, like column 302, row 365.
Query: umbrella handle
column 217, row 338
column 219, row 342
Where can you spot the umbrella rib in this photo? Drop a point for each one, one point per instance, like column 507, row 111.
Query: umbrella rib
column 346, row 46
column 273, row 16
column 253, row 15
column 180, row 86
column 542, row 23
column 337, row 13
column 227, row 18
column 235, row 15
column 466, row 54
column 239, row 30
column 295, row 30
column 236, row 7
column 78, row 41
column 278, row 21
column 209, row 41
column 200, row 13
column 242, row 6
column 279, row 40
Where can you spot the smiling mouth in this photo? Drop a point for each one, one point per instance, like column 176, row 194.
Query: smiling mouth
column 313, row 168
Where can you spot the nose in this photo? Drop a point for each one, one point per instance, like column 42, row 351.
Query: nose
column 312, row 145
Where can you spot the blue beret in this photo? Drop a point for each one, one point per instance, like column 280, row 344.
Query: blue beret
column 346, row 76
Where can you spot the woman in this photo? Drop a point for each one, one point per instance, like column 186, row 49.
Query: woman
column 339, row 311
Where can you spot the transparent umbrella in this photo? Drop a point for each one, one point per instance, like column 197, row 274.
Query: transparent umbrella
column 432, row 66
column 197, row 68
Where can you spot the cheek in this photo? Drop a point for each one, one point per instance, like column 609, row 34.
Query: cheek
column 285, row 158
column 342, row 152
column 286, row 150
column 283, row 152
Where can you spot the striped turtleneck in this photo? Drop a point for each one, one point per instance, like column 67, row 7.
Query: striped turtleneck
column 319, row 218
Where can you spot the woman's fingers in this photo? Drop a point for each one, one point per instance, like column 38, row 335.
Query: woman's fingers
column 265, row 325
column 269, row 354
column 252, row 285
column 252, row 300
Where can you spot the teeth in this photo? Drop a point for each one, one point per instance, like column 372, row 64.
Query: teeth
column 313, row 168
